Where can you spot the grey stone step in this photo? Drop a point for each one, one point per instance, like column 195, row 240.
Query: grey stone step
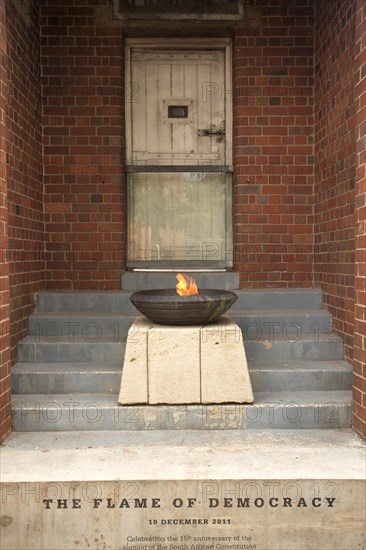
column 44, row 350
column 284, row 444
column 258, row 324
column 263, row 324
column 300, row 376
column 106, row 378
column 278, row 298
column 143, row 280
column 118, row 300
column 106, row 301
column 307, row 346
column 275, row 410
column 65, row 378
column 90, row 325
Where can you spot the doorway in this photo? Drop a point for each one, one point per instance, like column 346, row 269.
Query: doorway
column 179, row 154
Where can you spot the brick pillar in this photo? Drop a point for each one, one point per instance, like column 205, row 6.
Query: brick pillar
column 359, row 363
column 4, row 266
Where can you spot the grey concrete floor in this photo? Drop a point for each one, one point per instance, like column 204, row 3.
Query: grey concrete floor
column 163, row 455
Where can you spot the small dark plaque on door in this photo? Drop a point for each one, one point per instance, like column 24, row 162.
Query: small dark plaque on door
column 178, row 111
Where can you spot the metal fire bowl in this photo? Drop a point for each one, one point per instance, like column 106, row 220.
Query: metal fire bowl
column 166, row 307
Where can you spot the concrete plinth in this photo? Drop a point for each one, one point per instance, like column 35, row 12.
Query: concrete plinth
column 216, row 490
column 175, row 365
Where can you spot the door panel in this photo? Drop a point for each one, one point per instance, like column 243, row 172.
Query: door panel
column 167, row 80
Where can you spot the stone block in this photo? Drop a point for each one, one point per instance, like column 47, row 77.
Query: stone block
column 174, row 364
column 185, row 365
column 224, row 369
column 134, row 383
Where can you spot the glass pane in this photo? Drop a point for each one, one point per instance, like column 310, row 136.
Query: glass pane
column 179, row 216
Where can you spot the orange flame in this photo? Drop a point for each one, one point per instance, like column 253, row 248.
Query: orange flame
column 186, row 285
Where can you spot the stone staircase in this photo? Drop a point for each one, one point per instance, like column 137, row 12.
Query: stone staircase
column 72, row 443
column 69, row 367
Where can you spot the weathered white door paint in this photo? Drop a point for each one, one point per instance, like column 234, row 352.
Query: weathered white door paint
column 179, row 97
column 179, row 155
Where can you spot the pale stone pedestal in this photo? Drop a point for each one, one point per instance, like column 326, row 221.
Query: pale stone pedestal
column 184, row 365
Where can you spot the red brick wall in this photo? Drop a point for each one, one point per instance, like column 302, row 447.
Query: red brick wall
column 83, row 77
column 4, row 268
column 359, row 362
column 273, row 147
column 83, row 143
column 24, row 166
column 299, row 166
column 335, row 162
column 21, row 191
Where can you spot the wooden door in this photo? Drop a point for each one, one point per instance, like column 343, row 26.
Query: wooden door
column 178, row 155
